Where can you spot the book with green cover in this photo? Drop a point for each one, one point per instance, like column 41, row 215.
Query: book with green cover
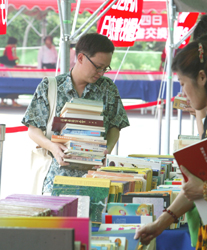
column 97, row 189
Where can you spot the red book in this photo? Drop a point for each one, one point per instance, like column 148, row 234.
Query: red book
column 194, row 158
column 59, row 122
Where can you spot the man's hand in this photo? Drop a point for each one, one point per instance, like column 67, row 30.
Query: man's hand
column 57, row 149
column 193, row 188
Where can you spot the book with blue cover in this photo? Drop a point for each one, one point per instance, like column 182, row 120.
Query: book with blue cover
column 80, row 132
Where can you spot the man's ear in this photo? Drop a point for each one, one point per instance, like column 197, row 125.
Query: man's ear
column 202, row 77
column 80, row 58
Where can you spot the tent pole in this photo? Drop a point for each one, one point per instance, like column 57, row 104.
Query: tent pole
column 2, row 138
column 97, row 18
column 169, row 76
column 180, row 112
column 16, row 15
column 117, row 144
column 66, row 28
column 75, row 17
column 89, row 19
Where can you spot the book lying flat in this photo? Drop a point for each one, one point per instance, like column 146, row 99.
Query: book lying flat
column 85, row 107
column 66, row 132
column 83, row 127
column 59, row 123
column 83, row 161
column 87, row 102
column 82, row 116
column 59, row 206
column 79, row 138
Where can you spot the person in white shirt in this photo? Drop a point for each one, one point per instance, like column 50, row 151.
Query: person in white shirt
column 47, row 56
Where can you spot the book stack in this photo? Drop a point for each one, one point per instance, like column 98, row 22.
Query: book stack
column 58, row 206
column 81, row 126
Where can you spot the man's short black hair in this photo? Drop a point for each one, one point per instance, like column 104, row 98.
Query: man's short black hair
column 93, row 43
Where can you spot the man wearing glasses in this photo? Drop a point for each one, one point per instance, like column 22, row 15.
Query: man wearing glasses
column 85, row 80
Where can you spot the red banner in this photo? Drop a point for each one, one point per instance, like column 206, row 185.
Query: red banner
column 186, row 21
column 3, row 16
column 153, row 27
column 120, row 23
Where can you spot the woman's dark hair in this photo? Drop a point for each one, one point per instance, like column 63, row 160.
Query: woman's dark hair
column 48, row 37
column 187, row 61
column 92, row 43
column 201, row 28
column 12, row 40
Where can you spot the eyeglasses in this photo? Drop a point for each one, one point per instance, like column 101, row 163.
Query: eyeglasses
column 98, row 69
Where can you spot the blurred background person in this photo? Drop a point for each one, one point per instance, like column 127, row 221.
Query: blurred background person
column 9, row 59
column 47, row 56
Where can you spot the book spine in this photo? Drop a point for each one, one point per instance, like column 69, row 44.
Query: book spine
column 80, row 132
column 79, row 121
column 79, row 158
column 86, row 147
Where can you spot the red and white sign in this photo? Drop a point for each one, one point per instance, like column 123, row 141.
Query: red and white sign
column 153, row 27
column 120, row 23
column 186, row 21
column 3, row 16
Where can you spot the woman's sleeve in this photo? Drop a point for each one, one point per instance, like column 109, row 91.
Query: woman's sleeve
column 37, row 113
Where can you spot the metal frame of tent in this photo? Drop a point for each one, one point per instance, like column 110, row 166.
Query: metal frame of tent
column 172, row 7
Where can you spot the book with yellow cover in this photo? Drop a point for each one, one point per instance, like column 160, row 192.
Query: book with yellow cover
column 180, row 103
column 136, row 176
column 146, row 171
column 97, row 189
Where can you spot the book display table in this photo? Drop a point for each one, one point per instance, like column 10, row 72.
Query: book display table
column 128, row 89
column 171, row 239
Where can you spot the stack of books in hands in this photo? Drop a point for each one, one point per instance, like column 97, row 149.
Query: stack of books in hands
column 80, row 126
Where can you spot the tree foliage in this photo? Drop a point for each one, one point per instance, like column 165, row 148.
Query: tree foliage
column 18, row 26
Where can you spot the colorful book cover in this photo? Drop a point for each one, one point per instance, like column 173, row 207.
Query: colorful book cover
column 118, row 243
column 97, row 189
column 143, row 208
column 129, row 235
column 158, row 204
column 85, row 146
column 82, row 226
column 112, row 227
column 129, row 219
column 80, row 132
column 58, row 206
column 80, row 138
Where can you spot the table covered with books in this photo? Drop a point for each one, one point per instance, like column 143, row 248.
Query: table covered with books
column 112, row 200
column 145, row 90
